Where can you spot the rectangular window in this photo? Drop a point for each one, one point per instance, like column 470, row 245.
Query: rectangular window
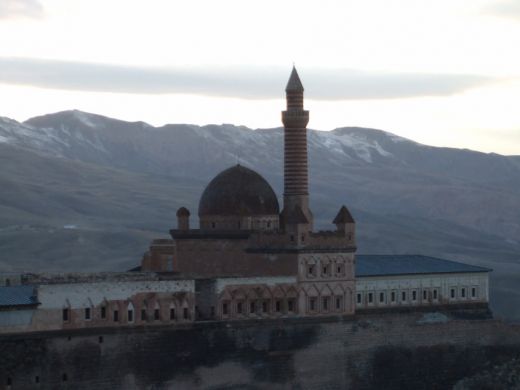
column 403, row 296
column 185, row 313
column 381, row 297
column 239, row 307
column 87, row 313
column 325, row 304
column 143, row 314
column 252, row 307
column 424, row 295
column 463, row 292
column 452, row 293
column 278, row 305
column 414, row 295
column 116, row 316
column 370, row 297
column 103, row 312
column 473, row 292
column 225, row 309
column 65, row 315
column 358, row 298
column 392, row 296
column 312, row 304
column 290, row 305
column 338, row 303
column 435, row 293
column 130, row 316
column 172, row 313
column 156, row 315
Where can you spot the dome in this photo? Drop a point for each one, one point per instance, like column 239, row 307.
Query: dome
column 238, row 191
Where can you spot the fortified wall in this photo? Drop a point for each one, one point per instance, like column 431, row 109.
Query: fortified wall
column 391, row 351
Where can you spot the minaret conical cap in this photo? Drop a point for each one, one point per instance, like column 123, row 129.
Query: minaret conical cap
column 294, row 84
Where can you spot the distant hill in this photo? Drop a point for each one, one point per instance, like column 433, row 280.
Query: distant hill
column 85, row 192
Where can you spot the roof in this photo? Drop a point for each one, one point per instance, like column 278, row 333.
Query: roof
column 386, row 265
column 238, row 191
column 17, row 296
column 343, row 216
column 294, row 84
column 295, row 216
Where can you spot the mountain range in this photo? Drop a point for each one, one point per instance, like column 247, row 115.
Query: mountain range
column 83, row 192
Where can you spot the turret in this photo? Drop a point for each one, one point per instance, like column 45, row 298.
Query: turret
column 345, row 224
column 295, row 119
column 183, row 219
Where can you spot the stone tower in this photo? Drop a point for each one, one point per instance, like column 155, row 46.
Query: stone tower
column 296, row 180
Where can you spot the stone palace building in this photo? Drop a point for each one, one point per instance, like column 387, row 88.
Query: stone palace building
column 248, row 259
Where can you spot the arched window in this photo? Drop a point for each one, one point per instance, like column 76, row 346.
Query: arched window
column 130, row 312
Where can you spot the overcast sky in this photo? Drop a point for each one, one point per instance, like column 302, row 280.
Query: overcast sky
column 444, row 72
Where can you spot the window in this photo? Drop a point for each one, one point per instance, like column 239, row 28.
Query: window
column 278, row 305
column 156, row 314
column 103, row 312
column 213, row 225
column 424, row 295
column 225, row 309
column 311, row 270
column 381, row 297
column 116, row 316
column 403, row 296
column 264, row 306
column 414, row 295
column 473, row 292
column 252, row 307
column 452, row 293
column 64, row 378
column 65, row 315
column 9, row 381
column 268, row 224
column 325, row 270
column 312, row 304
column 392, row 296
column 36, row 379
column 7, row 282
column 292, row 237
column 358, row 298
column 325, row 303
column 100, row 339
column 130, row 314
column 143, row 314
column 290, row 305
column 172, row 313
column 303, row 237
column 435, row 294
column 370, row 297
column 463, row 292
column 338, row 303
column 185, row 313
column 87, row 313
column 239, row 307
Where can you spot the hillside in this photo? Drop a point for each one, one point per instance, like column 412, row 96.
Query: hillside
column 85, row 192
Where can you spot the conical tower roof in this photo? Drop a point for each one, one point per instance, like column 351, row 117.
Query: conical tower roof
column 343, row 216
column 294, row 84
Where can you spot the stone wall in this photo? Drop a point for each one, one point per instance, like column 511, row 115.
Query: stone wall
column 392, row 351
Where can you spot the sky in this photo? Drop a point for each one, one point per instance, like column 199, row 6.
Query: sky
column 443, row 73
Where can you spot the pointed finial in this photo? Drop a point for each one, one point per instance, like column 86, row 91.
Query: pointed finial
column 294, row 84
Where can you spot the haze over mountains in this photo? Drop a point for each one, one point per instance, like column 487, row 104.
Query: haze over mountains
column 82, row 192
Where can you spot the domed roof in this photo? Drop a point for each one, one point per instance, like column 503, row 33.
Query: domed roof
column 238, row 191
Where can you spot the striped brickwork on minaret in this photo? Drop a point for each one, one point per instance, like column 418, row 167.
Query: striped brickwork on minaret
column 295, row 119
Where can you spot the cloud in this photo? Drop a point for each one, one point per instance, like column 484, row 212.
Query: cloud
column 503, row 8
column 10, row 9
column 236, row 81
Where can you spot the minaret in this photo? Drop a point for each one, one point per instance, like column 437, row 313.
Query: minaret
column 296, row 181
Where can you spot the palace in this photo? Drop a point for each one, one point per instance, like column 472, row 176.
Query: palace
column 248, row 259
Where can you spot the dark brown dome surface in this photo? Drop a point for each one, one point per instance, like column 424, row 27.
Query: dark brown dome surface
column 238, row 191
